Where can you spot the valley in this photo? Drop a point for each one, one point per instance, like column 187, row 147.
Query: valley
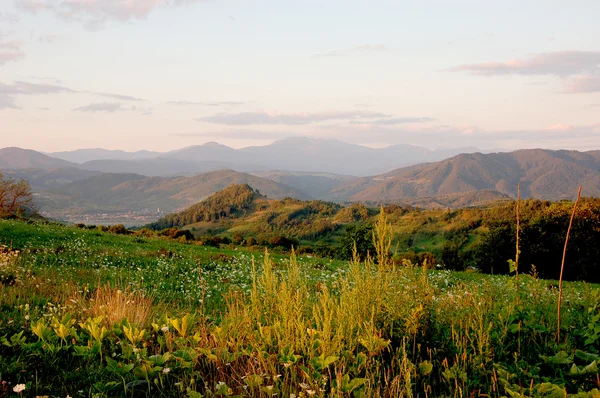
column 74, row 192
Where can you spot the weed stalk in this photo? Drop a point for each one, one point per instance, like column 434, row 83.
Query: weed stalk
column 562, row 266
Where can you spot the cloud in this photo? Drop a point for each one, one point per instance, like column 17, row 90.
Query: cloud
column 580, row 70
column 250, row 118
column 117, row 96
column 10, row 45
column 367, row 48
column 563, row 63
column 238, row 134
column 112, row 107
column 7, row 102
column 95, row 13
column 10, row 50
column 583, row 84
column 108, row 107
column 143, row 111
column 431, row 136
column 26, row 88
column 10, row 91
column 554, row 137
column 217, row 103
column 396, row 120
column 9, row 55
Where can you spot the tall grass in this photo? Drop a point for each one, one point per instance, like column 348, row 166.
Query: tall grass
column 375, row 330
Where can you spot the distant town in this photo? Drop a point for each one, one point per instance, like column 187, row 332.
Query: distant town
column 128, row 219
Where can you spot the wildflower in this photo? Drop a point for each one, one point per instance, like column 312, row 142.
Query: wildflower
column 166, row 370
column 19, row 388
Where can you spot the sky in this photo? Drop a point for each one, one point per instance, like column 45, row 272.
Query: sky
column 165, row 74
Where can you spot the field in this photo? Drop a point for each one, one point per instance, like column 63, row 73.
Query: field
column 89, row 313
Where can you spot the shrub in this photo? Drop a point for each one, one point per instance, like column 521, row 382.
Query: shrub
column 251, row 241
column 360, row 235
column 282, row 241
column 119, row 229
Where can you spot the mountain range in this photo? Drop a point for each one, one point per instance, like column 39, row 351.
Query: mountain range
column 294, row 154
column 110, row 192
column 65, row 187
column 543, row 174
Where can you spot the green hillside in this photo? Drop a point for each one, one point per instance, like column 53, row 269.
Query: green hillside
column 481, row 237
column 543, row 174
column 111, row 192
column 85, row 312
column 239, row 209
column 231, row 202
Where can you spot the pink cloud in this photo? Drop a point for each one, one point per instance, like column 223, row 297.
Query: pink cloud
column 94, row 13
column 266, row 118
column 7, row 102
column 579, row 69
column 7, row 55
column 583, row 84
column 10, row 50
column 562, row 63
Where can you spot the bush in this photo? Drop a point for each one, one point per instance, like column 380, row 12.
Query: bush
column 359, row 234
column 119, row 229
column 417, row 258
column 237, row 239
column 282, row 241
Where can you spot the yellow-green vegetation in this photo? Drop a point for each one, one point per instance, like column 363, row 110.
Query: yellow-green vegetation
column 88, row 313
column 457, row 239
column 239, row 209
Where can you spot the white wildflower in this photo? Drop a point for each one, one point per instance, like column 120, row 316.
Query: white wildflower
column 19, row 388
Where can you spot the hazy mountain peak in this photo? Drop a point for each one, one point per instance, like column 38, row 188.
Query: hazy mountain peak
column 19, row 158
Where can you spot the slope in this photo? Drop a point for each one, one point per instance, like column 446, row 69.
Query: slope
column 132, row 192
column 543, row 174
column 18, row 158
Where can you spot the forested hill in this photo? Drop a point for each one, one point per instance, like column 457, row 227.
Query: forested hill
column 543, row 174
column 233, row 201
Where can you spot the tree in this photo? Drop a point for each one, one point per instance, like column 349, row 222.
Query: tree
column 15, row 197
column 359, row 234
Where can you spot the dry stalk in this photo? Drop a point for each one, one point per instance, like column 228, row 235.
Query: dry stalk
column 518, row 231
column 562, row 266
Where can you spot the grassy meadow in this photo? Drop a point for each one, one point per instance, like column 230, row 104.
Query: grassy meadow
column 85, row 313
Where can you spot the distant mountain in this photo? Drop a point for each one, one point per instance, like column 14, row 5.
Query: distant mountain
column 18, row 158
column 133, row 192
column 317, row 185
column 162, row 166
column 299, row 154
column 333, row 156
column 543, row 174
column 89, row 154
column 211, row 151
column 44, row 179
column 454, row 200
